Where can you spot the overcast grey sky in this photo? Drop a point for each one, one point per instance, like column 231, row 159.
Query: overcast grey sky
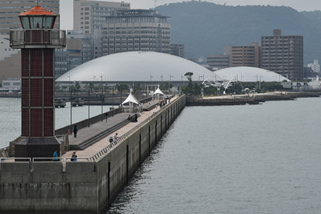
column 300, row 5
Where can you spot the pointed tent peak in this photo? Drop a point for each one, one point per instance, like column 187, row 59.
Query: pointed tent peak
column 37, row 11
column 131, row 99
column 158, row 91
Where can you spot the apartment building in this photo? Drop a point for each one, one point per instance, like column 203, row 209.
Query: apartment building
column 249, row 56
column 178, row 50
column 90, row 15
column 283, row 55
column 135, row 30
column 69, row 57
column 218, row 61
column 10, row 10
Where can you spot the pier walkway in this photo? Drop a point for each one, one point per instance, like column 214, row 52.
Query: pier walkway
column 97, row 128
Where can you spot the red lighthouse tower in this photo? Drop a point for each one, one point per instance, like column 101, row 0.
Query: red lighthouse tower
column 37, row 41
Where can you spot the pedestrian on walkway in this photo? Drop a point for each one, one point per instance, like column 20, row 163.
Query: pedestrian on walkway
column 106, row 114
column 136, row 118
column 75, row 130
column 55, row 155
column 73, row 157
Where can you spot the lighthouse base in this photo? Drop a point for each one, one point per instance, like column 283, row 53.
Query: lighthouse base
column 37, row 147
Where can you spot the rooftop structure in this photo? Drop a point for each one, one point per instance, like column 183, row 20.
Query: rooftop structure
column 10, row 10
column 249, row 74
column 136, row 67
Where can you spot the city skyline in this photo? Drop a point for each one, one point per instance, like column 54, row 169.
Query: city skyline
column 310, row 5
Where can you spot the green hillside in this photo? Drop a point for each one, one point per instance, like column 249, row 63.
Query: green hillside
column 204, row 28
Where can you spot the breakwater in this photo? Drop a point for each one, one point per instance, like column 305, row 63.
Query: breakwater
column 250, row 99
column 89, row 185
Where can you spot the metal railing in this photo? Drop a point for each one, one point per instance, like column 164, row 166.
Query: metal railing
column 49, row 38
column 112, row 145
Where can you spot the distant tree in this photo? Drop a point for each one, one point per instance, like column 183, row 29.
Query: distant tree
column 91, row 86
column 77, row 86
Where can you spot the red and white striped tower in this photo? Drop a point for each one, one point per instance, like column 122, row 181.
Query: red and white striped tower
column 37, row 41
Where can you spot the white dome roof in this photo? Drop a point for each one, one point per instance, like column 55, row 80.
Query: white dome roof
column 136, row 66
column 250, row 74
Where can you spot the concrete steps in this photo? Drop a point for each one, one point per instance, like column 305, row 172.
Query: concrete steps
column 93, row 139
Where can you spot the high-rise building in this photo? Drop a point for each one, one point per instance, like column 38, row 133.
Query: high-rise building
column 90, row 15
column 178, row 50
column 10, row 10
column 69, row 57
column 246, row 55
column 136, row 30
column 315, row 66
column 283, row 55
column 218, row 61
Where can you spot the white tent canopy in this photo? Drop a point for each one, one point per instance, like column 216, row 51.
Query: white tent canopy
column 131, row 99
column 158, row 91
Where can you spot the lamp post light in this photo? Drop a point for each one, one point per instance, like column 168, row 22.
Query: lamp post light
column 70, row 107
column 151, row 81
column 102, row 93
column 170, row 79
column 88, row 106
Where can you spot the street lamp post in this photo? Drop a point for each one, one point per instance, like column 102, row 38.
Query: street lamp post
column 170, row 79
column 88, row 106
column 150, row 81
column 70, row 107
column 70, row 101
column 102, row 93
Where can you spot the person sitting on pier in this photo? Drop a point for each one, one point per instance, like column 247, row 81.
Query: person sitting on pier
column 55, row 154
column 74, row 157
column 116, row 137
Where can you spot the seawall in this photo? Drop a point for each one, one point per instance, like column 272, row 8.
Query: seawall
column 82, row 187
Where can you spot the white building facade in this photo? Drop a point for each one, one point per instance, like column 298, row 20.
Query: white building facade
column 315, row 66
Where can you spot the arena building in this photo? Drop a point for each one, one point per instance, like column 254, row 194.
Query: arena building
column 137, row 67
column 248, row 74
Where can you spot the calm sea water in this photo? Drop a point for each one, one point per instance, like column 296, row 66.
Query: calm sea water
column 10, row 117
column 233, row 159
column 228, row 159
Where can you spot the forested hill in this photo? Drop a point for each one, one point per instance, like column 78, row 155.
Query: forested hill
column 204, row 28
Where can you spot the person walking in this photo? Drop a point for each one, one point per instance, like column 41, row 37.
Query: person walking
column 75, row 130
column 106, row 114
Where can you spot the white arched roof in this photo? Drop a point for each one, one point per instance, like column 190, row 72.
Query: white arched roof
column 250, row 74
column 136, row 67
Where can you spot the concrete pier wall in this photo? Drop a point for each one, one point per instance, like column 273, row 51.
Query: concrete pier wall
column 82, row 187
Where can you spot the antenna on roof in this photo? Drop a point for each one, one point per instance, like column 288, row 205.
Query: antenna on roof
column 37, row 3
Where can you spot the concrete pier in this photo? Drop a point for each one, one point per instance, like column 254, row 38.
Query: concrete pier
column 92, row 183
